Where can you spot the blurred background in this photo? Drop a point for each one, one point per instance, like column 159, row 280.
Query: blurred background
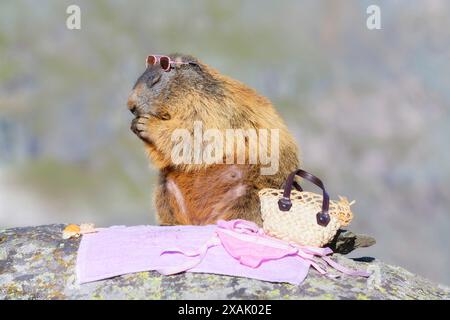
column 370, row 108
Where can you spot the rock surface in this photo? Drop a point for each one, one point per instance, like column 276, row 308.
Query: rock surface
column 36, row 263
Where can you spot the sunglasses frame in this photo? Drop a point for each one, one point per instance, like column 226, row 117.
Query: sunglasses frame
column 157, row 59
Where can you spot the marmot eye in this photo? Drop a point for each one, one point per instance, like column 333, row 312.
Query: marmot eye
column 194, row 64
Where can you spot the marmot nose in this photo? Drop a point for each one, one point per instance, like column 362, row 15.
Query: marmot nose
column 133, row 110
column 132, row 106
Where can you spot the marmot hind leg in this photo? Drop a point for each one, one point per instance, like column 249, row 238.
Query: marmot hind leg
column 247, row 208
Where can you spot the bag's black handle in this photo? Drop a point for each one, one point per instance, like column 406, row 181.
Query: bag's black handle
column 284, row 204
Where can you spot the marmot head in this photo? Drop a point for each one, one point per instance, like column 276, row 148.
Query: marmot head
column 180, row 89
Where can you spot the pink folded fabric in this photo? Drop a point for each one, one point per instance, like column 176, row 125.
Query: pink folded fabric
column 236, row 248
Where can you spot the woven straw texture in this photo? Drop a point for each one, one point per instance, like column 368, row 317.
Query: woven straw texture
column 299, row 224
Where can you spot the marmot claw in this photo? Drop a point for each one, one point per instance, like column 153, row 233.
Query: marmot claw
column 140, row 128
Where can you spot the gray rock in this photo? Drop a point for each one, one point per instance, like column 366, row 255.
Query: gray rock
column 36, row 263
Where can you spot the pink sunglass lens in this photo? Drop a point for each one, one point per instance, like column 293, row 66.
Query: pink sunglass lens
column 151, row 60
column 165, row 63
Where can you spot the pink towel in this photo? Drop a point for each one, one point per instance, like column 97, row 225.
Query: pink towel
column 225, row 249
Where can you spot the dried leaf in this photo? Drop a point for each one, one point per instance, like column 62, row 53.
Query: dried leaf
column 72, row 230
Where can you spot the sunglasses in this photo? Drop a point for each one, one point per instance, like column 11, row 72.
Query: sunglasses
column 164, row 61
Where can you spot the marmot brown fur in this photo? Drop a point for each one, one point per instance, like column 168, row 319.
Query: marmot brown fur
column 199, row 194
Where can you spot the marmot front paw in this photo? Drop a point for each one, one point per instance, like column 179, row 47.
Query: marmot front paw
column 139, row 126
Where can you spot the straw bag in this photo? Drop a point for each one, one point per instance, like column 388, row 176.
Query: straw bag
column 306, row 218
